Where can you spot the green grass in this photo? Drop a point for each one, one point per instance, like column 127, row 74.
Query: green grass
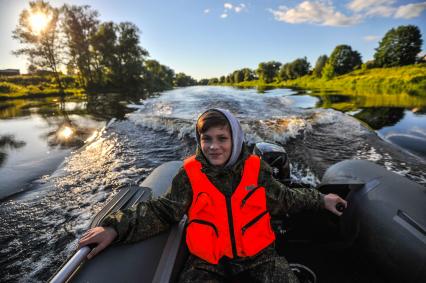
column 408, row 79
column 25, row 86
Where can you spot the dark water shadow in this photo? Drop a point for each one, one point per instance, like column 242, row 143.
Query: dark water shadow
column 8, row 141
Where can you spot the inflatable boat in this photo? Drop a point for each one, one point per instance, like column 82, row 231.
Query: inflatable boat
column 381, row 236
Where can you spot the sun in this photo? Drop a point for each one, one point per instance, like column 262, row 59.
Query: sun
column 66, row 132
column 38, row 22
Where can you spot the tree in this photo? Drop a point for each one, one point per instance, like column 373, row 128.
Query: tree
column 157, row 77
column 130, row 56
column 283, row 73
column 343, row 59
column 213, row 81
column 103, row 44
column 182, row 79
column 267, row 71
column 295, row 69
column 319, row 65
column 399, row 47
column 203, row 82
column 299, row 67
column 328, row 71
column 248, row 74
column 118, row 57
column 238, row 76
column 80, row 24
column 38, row 30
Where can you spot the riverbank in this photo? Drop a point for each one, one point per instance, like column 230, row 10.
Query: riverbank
column 407, row 79
column 26, row 86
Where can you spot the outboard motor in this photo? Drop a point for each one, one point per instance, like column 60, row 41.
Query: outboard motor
column 276, row 156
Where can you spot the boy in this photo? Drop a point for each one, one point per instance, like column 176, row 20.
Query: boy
column 229, row 197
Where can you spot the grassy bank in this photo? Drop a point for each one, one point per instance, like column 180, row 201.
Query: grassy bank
column 25, row 86
column 408, row 79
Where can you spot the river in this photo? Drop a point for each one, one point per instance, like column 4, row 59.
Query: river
column 61, row 161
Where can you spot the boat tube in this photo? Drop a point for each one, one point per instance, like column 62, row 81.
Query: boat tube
column 385, row 220
column 386, row 217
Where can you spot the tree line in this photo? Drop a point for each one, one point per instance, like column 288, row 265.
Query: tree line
column 107, row 56
column 399, row 47
column 103, row 56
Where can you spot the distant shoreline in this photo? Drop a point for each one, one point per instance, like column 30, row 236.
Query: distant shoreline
column 410, row 80
column 407, row 79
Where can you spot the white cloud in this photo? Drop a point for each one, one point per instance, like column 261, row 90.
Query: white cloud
column 371, row 37
column 322, row 12
column 386, row 8
column 381, row 11
column 232, row 7
column 206, row 11
column 410, row 11
column 228, row 6
column 240, row 8
column 363, row 5
column 318, row 12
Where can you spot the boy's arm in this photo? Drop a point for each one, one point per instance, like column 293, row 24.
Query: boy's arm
column 153, row 217
column 281, row 200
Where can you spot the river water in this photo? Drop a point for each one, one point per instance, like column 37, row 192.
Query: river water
column 67, row 176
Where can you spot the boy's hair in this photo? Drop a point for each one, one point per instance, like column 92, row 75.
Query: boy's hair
column 211, row 118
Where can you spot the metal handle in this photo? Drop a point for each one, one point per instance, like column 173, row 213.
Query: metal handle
column 71, row 265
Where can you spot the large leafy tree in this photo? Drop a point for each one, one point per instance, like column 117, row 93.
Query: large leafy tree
column 267, row 71
column 213, row 81
column 80, row 24
column 283, row 72
column 129, row 56
column 343, row 59
column 118, row 57
column 248, row 74
column 181, row 79
column 38, row 31
column 157, row 77
column 319, row 65
column 238, row 76
column 103, row 48
column 399, row 47
column 328, row 71
column 295, row 69
column 206, row 81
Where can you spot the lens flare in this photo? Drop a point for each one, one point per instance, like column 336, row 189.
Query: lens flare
column 66, row 133
column 39, row 22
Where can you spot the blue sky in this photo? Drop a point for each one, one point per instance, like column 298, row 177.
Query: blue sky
column 209, row 38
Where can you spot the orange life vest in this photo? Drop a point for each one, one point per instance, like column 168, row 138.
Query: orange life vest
column 219, row 225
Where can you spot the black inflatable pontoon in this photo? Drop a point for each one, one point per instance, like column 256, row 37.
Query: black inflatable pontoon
column 384, row 223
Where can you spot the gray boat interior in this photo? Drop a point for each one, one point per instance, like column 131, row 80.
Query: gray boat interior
column 386, row 217
column 153, row 260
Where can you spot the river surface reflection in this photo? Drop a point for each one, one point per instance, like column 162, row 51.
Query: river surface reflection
column 37, row 135
column 70, row 158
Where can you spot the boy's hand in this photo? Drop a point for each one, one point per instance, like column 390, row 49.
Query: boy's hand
column 330, row 202
column 102, row 237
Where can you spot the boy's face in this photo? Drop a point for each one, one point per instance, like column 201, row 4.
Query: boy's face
column 216, row 144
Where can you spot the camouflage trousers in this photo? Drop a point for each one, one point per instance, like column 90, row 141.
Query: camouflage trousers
column 275, row 269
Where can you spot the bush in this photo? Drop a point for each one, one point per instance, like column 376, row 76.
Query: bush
column 6, row 87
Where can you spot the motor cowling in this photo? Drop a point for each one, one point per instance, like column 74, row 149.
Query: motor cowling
column 276, row 156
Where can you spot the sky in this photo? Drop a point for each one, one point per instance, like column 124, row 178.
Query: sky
column 210, row 38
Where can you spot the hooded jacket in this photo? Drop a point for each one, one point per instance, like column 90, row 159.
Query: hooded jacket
column 155, row 216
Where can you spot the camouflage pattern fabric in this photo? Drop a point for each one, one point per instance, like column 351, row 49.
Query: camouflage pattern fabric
column 150, row 218
column 266, row 266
